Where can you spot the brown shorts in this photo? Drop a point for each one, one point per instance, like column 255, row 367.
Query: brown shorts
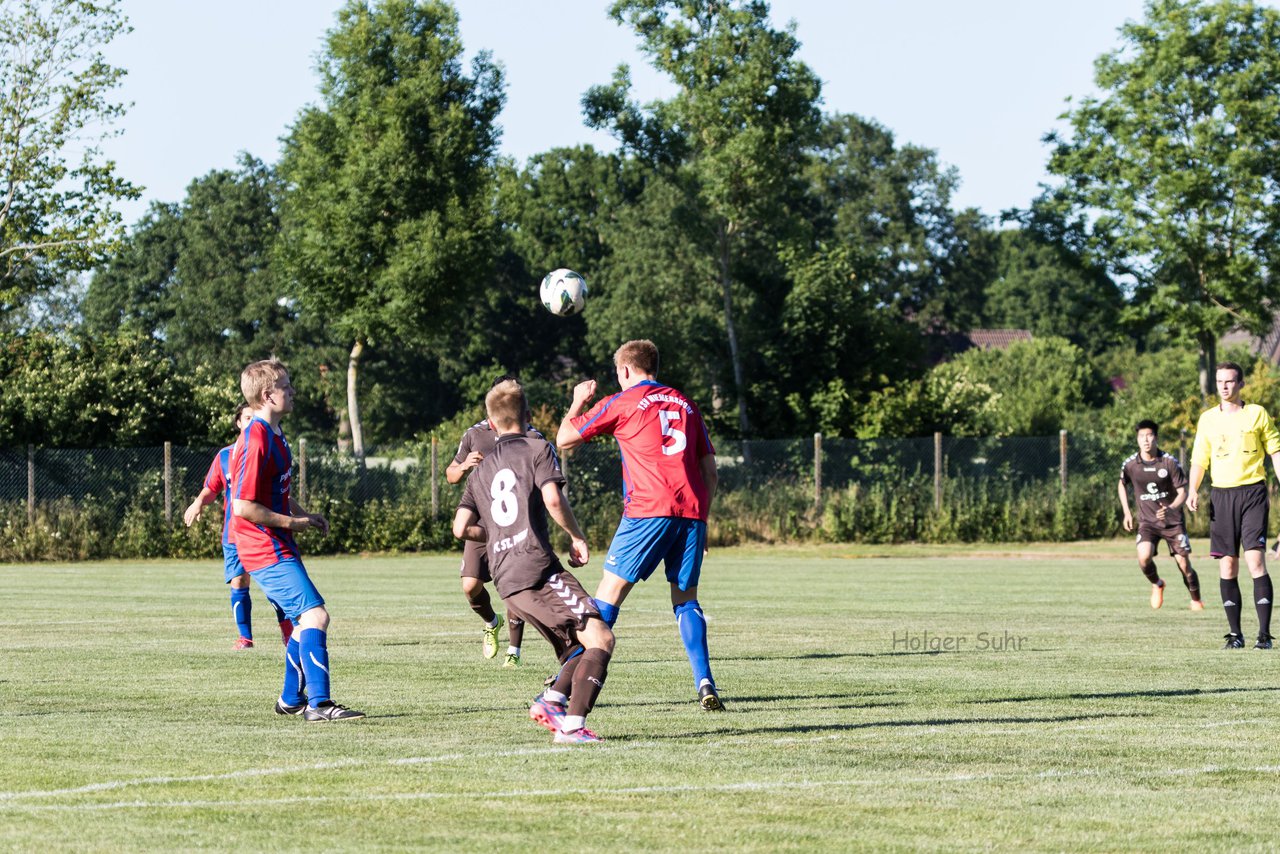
column 475, row 561
column 1175, row 536
column 558, row 609
column 1238, row 519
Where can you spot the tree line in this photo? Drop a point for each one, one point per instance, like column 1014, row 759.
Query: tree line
column 801, row 271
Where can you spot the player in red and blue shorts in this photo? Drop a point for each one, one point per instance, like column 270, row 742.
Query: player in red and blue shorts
column 669, row 478
column 215, row 484
column 264, row 518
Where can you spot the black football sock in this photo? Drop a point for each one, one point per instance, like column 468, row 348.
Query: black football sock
column 1262, row 601
column 1230, row 588
column 480, row 603
column 1149, row 570
column 564, row 679
column 588, row 681
column 515, row 628
column 1192, row 581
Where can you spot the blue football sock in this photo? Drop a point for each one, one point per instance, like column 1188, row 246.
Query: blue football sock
column 608, row 612
column 693, row 632
column 242, row 610
column 294, row 681
column 314, row 649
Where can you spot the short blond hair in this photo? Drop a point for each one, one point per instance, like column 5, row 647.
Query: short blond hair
column 505, row 405
column 258, row 378
column 641, row 354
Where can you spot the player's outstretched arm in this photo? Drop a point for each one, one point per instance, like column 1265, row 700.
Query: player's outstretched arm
column 192, row 513
column 568, row 437
column 558, row 508
column 465, row 526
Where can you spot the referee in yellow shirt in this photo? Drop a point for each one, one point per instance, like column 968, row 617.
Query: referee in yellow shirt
column 1232, row 441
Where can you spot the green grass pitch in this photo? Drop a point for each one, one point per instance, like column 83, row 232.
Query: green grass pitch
column 1059, row 712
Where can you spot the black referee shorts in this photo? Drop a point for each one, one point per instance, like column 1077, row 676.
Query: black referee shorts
column 1238, row 517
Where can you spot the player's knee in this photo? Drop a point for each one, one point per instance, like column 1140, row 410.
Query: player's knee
column 472, row 587
column 597, row 635
column 314, row 618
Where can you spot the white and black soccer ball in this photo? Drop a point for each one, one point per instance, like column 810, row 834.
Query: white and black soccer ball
column 563, row 292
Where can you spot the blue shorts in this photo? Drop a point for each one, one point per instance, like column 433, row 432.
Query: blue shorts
column 287, row 584
column 640, row 544
column 231, row 565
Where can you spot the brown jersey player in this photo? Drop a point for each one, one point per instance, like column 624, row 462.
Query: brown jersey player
column 505, row 506
column 1160, row 489
column 476, row 443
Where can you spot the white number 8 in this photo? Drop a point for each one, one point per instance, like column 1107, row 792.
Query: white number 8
column 678, row 440
column 505, row 507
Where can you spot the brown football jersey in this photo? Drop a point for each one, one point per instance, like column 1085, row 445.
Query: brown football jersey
column 481, row 437
column 505, row 491
column 1154, row 482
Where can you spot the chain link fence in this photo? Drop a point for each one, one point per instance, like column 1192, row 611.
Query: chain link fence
column 81, row 504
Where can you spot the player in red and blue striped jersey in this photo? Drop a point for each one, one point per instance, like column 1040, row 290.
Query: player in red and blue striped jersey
column 669, row 478
column 215, row 484
column 264, row 518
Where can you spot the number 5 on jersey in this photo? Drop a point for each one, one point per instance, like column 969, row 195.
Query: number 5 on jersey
column 678, row 440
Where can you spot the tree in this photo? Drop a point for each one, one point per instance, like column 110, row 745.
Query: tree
column 731, row 140
column 56, row 189
column 1180, row 160
column 388, row 221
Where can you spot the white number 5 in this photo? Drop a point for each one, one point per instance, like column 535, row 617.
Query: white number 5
column 678, row 441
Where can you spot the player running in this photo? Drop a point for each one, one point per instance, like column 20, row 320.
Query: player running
column 1233, row 440
column 264, row 517
column 1160, row 489
column 669, row 478
column 477, row 442
column 215, row 484
column 505, row 506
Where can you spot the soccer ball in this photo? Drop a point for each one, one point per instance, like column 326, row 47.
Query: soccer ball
column 563, row 292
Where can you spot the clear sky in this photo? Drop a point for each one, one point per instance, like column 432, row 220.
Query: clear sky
column 980, row 81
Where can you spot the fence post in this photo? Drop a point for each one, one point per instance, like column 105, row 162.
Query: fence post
column 817, row 471
column 435, row 477
column 302, row 472
column 168, row 482
column 1062, row 459
column 937, row 471
column 31, row 486
column 1182, row 449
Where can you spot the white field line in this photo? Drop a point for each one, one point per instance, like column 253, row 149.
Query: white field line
column 8, row 798
column 743, row 786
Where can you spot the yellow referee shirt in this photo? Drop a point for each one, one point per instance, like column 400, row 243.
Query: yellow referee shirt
column 1234, row 446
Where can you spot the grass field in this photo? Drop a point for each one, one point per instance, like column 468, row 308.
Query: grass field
column 1067, row 716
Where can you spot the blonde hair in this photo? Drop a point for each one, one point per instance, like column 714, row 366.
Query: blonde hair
column 505, row 404
column 258, row 378
column 641, row 354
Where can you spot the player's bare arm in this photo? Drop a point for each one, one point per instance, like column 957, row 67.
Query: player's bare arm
column 568, row 437
column 455, row 471
column 317, row 520
column 465, row 526
column 260, row 514
column 558, row 509
column 1124, row 504
column 192, row 513
column 1193, row 486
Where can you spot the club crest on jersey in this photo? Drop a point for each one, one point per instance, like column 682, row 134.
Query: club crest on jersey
column 1163, row 473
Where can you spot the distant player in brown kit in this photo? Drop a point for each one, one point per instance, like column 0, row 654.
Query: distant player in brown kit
column 505, row 506
column 476, row 443
column 1160, row 489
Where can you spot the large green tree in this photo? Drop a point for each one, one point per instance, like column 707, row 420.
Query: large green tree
column 1179, row 158
column 731, row 139
column 388, row 221
column 56, row 186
